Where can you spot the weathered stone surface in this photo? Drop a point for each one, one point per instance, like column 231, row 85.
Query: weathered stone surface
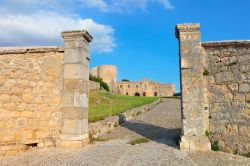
column 226, row 88
column 94, row 85
column 194, row 116
column 146, row 88
column 75, row 89
column 30, row 76
column 108, row 73
column 32, row 83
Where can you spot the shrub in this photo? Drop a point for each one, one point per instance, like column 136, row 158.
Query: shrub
column 207, row 133
column 103, row 84
column 125, row 80
column 215, row 146
column 138, row 141
column 206, row 72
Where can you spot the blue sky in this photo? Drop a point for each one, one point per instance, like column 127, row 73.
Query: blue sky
column 136, row 35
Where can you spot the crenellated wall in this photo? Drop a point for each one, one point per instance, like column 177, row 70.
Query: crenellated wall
column 215, row 83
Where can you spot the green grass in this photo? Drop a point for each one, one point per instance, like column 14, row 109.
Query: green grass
column 93, row 140
column 138, row 141
column 104, row 104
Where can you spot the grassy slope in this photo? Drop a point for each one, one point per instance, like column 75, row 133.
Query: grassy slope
column 103, row 104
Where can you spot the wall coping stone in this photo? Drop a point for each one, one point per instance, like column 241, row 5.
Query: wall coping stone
column 226, row 43
column 30, row 49
column 186, row 27
column 74, row 33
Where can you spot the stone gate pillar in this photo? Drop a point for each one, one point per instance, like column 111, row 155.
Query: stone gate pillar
column 192, row 88
column 75, row 89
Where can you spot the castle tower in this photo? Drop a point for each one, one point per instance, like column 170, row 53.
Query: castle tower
column 108, row 73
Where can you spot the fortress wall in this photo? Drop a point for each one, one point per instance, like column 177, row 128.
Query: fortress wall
column 94, row 85
column 30, row 95
column 94, row 71
column 108, row 73
column 228, row 85
column 215, row 85
column 149, row 87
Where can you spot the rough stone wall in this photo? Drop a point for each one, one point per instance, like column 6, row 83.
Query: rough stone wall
column 228, row 84
column 215, row 86
column 94, row 85
column 30, row 95
column 108, row 73
column 146, row 87
column 44, row 95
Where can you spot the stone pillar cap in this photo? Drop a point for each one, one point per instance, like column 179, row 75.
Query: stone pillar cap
column 75, row 33
column 186, row 27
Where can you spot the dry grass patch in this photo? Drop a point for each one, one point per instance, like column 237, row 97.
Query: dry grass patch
column 138, row 141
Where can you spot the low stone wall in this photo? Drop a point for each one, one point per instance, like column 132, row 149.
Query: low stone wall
column 94, row 85
column 109, row 123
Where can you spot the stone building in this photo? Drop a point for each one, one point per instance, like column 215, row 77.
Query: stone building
column 215, row 83
column 108, row 73
column 44, row 95
column 145, row 88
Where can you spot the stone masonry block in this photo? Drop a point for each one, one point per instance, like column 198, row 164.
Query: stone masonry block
column 75, row 127
column 75, row 113
column 81, row 100
column 76, row 71
column 77, row 55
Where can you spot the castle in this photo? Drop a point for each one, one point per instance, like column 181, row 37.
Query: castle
column 130, row 88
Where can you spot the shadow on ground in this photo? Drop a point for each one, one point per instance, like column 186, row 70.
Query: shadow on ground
column 158, row 134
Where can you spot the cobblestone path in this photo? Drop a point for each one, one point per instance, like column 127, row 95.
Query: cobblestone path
column 161, row 126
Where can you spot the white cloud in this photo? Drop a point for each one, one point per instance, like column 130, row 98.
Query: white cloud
column 166, row 4
column 43, row 28
column 99, row 4
column 124, row 6
column 103, row 33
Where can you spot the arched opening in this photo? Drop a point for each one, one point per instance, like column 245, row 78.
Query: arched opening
column 137, row 94
column 127, row 93
column 144, row 94
column 155, row 94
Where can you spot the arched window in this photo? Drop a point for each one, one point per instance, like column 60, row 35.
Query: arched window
column 120, row 86
column 128, row 86
column 155, row 94
column 127, row 93
column 144, row 94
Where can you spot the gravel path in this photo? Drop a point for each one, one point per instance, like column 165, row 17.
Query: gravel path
column 160, row 125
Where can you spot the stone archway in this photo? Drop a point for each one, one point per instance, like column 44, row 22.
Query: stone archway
column 137, row 94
